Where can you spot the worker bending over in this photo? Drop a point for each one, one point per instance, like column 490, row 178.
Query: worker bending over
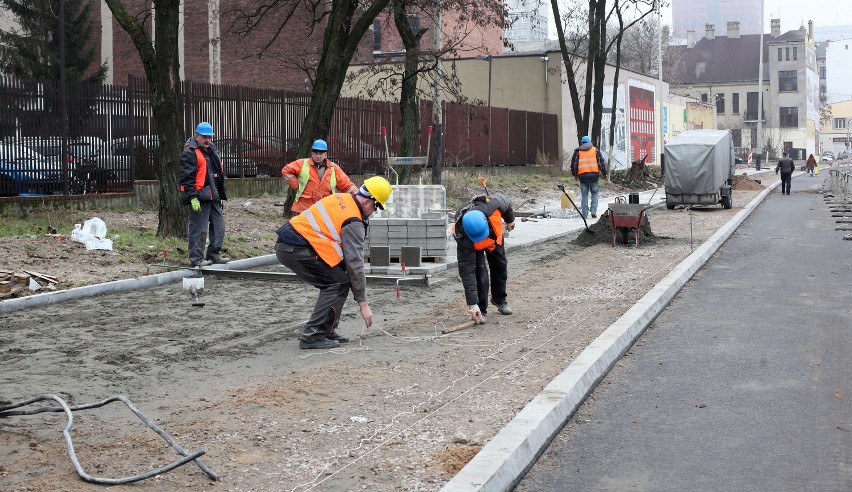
column 324, row 246
column 479, row 233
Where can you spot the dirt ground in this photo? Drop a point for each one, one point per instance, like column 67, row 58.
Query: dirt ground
column 402, row 407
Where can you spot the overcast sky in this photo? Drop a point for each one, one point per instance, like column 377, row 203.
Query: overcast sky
column 794, row 13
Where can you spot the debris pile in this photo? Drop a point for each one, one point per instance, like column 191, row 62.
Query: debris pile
column 743, row 182
column 12, row 283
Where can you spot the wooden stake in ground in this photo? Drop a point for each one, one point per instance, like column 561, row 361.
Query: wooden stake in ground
column 466, row 324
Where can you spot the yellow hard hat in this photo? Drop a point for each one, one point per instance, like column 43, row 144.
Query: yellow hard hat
column 377, row 188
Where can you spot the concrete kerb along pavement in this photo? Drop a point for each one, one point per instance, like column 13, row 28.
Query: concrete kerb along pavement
column 502, row 462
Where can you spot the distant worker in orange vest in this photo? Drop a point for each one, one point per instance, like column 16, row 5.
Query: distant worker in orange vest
column 324, row 246
column 588, row 166
column 202, row 186
column 315, row 177
column 479, row 234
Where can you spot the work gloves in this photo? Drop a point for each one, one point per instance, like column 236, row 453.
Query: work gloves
column 475, row 313
column 510, row 226
column 195, row 204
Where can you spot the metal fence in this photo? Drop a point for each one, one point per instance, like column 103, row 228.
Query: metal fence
column 109, row 136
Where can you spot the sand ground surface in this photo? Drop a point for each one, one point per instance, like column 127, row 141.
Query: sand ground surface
column 401, row 407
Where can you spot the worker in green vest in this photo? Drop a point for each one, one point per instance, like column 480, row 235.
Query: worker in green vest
column 315, row 178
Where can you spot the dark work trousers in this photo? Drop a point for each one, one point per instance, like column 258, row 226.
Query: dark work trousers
column 208, row 220
column 786, row 178
column 499, row 265
column 332, row 282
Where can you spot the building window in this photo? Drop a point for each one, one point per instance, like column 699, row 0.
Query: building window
column 787, row 81
column 414, row 23
column 377, row 36
column 704, row 97
column 735, row 102
column 789, row 117
column 787, row 52
column 839, row 123
column 779, row 54
column 795, row 53
column 822, row 73
column 720, row 103
column 737, row 135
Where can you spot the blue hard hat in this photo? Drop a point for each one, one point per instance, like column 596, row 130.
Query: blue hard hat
column 205, row 129
column 586, row 139
column 475, row 225
column 319, row 145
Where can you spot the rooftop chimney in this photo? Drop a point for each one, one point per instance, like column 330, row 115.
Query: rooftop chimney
column 733, row 29
column 776, row 27
column 690, row 38
column 811, row 31
column 709, row 31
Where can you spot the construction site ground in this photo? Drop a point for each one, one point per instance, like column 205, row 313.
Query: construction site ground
column 401, row 407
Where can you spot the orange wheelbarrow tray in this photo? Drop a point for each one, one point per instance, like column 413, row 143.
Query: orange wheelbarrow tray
column 626, row 216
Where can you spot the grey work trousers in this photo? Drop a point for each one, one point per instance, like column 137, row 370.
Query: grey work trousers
column 332, row 282
column 208, row 220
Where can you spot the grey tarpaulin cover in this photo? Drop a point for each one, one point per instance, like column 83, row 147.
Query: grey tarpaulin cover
column 698, row 161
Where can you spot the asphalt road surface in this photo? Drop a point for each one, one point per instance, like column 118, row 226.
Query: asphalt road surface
column 744, row 382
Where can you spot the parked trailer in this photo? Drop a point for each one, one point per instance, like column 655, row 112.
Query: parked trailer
column 699, row 168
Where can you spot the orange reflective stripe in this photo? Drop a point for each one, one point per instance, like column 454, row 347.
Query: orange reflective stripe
column 201, row 172
column 321, row 224
column 588, row 161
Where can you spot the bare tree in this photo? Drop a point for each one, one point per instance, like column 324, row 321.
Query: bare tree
column 583, row 37
column 160, row 61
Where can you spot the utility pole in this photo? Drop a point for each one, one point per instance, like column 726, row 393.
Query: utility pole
column 660, row 144
column 759, row 147
column 437, row 115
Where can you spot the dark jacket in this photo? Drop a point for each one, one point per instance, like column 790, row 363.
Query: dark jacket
column 465, row 252
column 786, row 165
column 575, row 161
column 215, row 179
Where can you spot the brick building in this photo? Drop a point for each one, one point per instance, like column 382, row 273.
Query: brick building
column 211, row 50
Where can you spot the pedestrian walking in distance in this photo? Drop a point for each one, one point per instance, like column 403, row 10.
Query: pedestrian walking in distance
column 324, row 246
column 479, row 233
column 811, row 164
column 786, row 166
column 202, row 186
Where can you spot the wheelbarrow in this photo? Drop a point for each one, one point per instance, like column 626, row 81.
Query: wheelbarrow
column 626, row 216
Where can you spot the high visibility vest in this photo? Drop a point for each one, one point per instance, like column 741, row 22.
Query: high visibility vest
column 321, row 225
column 588, row 161
column 496, row 222
column 200, row 172
column 305, row 176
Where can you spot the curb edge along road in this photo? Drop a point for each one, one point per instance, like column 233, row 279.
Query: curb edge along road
column 502, row 462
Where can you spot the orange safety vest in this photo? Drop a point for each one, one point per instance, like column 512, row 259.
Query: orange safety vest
column 321, row 225
column 496, row 221
column 201, row 172
column 588, row 161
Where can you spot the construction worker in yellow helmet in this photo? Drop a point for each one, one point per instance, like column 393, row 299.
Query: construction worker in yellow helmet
column 324, row 246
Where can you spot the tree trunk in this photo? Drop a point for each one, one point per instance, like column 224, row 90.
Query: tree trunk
column 340, row 42
column 161, row 65
column 408, row 94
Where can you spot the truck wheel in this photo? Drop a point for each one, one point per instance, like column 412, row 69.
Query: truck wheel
column 726, row 202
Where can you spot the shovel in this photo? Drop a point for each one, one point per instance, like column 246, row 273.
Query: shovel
column 562, row 189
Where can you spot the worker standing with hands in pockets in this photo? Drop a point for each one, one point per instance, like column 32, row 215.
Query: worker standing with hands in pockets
column 202, row 186
column 479, row 235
